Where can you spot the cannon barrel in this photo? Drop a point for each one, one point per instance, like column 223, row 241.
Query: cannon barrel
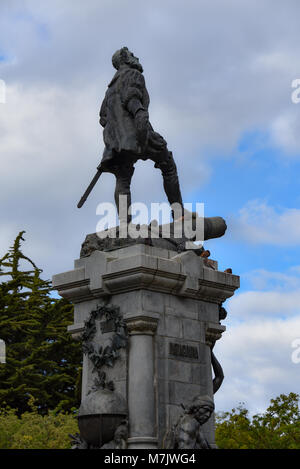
column 198, row 228
column 214, row 227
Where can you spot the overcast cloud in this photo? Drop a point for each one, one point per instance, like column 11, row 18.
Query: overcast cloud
column 216, row 71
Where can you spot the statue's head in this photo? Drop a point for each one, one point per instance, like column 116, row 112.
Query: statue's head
column 125, row 57
column 201, row 408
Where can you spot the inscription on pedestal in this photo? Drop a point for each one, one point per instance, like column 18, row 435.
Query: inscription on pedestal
column 182, row 350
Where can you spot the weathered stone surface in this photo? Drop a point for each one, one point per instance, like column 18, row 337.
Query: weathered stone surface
column 180, row 371
column 207, row 311
column 182, row 307
column 191, row 330
column 113, row 275
column 179, row 392
column 171, row 303
column 173, row 326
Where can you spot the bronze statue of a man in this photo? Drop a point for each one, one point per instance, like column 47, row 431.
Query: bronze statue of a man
column 128, row 134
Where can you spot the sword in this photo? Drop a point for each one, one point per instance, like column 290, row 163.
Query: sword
column 90, row 188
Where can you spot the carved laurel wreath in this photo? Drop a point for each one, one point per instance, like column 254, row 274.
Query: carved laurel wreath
column 104, row 356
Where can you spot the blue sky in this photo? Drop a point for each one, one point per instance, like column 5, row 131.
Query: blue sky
column 255, row 171
column 219, row 77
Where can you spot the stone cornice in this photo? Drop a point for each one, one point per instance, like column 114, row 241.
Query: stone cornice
column 141, row 325
column 144, row 268
column 141, row 277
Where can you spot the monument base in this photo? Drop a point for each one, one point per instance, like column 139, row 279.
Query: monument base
column 148, row 318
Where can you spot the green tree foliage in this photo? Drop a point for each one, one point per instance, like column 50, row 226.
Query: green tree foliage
column 42, row 360
column 277, row 428
column 34, row 431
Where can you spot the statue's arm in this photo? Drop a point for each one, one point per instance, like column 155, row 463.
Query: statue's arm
column 218, row 371
column 132, row 99
column 102, row 114
column 132, row 92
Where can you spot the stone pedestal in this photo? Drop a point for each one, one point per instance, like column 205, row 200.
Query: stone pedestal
column 170, row 303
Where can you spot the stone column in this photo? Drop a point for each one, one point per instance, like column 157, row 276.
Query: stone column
column 141, row 387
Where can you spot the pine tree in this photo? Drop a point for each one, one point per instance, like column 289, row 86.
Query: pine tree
column 42, row 360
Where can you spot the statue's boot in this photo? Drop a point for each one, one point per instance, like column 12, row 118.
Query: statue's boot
column 171, row 182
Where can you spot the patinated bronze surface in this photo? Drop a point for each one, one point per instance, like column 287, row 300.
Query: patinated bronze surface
column 128, row 134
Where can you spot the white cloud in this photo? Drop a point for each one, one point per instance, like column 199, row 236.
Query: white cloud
column 214, row 75
column 272, row 303
column 257, row 358
column 285, row 131
column 256, row 349
column 275, row 294
column 262, row 279
column 42, row 136
column 260, row 223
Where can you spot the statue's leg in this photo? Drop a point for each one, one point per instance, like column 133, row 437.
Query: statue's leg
column 165, row 162
column 123, row 173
